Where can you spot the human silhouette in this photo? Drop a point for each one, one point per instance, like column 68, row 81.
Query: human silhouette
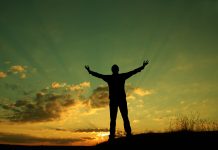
column 117, row 95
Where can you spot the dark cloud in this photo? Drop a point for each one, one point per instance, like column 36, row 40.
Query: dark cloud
column 99, row 97
column 23, row 139
column 83, row 130
column 45, row 107
column 88, row 138
column 5, row 106
column 60, row 129
column 20, row 103
column 92, row 130
column 9, row 107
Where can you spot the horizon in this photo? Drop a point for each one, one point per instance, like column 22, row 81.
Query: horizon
column 46, row 95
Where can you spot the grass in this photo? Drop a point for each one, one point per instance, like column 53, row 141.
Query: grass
column 192, row 122
column 184, row 132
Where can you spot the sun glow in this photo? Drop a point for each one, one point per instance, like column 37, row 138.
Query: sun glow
column 101, row 136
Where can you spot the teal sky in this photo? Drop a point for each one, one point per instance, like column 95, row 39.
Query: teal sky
column 47, row 41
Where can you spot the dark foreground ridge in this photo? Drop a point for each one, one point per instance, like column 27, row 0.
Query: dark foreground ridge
column 171, row 140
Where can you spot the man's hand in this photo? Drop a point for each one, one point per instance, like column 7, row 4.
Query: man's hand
column 145, row 63
column 87, row 68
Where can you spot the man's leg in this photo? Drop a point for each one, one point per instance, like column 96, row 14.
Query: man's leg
column 113, row 117
column 124, row 113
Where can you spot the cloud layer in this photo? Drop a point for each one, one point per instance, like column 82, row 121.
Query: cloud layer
column 31, row 140
column 52, row 102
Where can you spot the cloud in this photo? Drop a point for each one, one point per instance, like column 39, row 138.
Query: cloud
column 17, row 69
column 9, row 138
column 99, row 97
column 100, row 131
column 56, row 85
column 51, row 104
column 72, row 87
column 45, row 107
column 84, row 130
column 80, row 86
column 9, row 107
column 2, row 74
column 130, row 97
column 92, row 130
column 142, row 92
column 132, row 91
column 85, row 84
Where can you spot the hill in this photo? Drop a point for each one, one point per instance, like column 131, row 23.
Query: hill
column 171, row 140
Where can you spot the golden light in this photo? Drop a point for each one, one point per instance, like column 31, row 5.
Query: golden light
column 101, row 136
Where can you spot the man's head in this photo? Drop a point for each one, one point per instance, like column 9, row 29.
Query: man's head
column 115, row 69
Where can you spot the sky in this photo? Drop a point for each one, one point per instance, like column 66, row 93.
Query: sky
column 48, row 98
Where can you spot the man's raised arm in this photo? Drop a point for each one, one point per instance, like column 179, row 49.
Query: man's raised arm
column 129, row 74
column 98, row 75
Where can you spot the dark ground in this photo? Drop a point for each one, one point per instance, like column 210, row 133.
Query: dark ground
column 174, row 140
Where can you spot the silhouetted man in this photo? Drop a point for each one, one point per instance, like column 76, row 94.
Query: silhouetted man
column 117, row 95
